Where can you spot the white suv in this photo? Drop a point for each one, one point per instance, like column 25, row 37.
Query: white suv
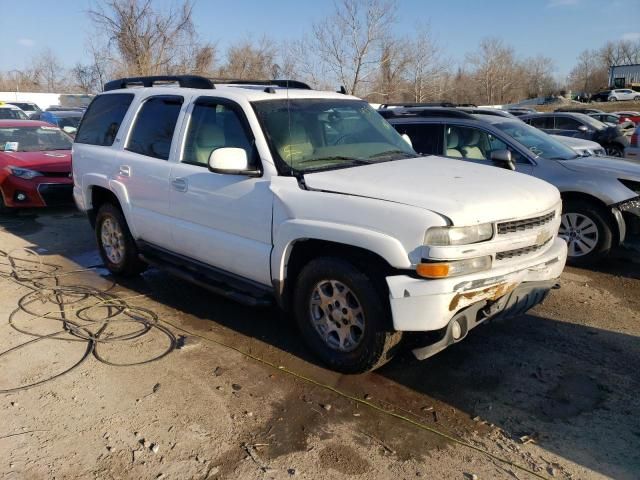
column 311, row 199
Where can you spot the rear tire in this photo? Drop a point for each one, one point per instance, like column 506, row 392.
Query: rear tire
column 116, row 245
column 588, row 232
column 343, row 317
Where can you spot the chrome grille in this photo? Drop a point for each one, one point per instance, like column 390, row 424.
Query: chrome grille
column 523, row 225
column 518, row 252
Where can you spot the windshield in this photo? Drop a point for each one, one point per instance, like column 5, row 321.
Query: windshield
column 541, row 144
column 33, row 139
column 321, row 134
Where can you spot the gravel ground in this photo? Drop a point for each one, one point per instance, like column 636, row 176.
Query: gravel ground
column 555, row 392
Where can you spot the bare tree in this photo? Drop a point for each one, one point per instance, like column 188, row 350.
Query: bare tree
column 589, row 73
column 148, row 41
column 247, row 60
column 538, row 76
column 349, row 41
column 427, row 71
column 495, row 71
column 48, row 70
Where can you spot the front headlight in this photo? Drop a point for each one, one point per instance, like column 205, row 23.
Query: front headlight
column 444, row 236
column 453, row 268
column 23, row 172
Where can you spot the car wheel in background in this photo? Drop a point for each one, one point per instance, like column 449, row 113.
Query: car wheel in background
column 343, row 316
column 588, row 232
column 637, row 98
column 115, row 243
column 614, row 150
column 613, row 99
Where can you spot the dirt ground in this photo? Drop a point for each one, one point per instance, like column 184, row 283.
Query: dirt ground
column 623, row 106
column 234, row 393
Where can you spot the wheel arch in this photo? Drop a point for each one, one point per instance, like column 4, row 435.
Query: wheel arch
column 614, row 217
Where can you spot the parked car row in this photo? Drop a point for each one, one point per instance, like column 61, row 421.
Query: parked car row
column 614, row 95
column 366, row 225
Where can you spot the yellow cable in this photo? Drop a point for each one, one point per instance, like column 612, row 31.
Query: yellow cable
column 357, row 400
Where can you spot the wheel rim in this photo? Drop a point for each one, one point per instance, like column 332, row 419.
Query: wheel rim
column 112, row 240
column 614, row 152
column 580, row 233
column 337, row 315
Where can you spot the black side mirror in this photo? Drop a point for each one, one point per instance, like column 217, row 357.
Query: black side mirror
column 503, row 159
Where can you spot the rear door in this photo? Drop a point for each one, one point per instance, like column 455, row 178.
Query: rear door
column 144, row 168
column 543, row 123
column 426, row 139
column 223, row 220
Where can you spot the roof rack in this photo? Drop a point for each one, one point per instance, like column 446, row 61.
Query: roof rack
column 284, row 83
column 426, row 112
column 195, row 81
column 418, row 104
column 185, row 81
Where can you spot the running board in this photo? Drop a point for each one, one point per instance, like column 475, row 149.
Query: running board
column 219, row 282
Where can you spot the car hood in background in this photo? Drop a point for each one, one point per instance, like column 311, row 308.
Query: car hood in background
column 54, row 160
column 580, row 143
column 464, row 192
column 620, row 167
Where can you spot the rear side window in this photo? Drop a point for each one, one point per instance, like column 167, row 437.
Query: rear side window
column 426, row 139
column 541, row 122
column 153, row 129
column 101, row 122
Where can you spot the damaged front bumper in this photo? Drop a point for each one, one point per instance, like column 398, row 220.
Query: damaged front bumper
column 456, row 305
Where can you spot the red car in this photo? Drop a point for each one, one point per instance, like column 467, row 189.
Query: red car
column 35, row 165
column 631, row 116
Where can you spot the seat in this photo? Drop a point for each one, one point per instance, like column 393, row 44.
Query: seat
column 209, row 137
column 472, row 149
column 291, row 138
column 453, row 142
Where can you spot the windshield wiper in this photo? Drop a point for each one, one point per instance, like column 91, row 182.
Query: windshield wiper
column 347, row 162
column 393, row 152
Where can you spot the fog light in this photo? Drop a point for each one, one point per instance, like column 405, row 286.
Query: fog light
column 21, row 197
column 456, row 330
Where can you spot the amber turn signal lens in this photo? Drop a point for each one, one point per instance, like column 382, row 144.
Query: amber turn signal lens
column 433, row 270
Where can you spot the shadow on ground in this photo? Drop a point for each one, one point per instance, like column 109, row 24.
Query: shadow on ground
column 570, row 387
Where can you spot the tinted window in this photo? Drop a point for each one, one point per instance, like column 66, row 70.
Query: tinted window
column 153, row 128
column 426, row 139
column 542, row 122
column 101, row 122
column 566, row 123
column 214, row 126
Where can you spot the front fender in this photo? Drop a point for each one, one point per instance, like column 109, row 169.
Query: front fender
column 293, row 230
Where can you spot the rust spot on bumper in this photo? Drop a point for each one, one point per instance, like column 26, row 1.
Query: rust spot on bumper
column 493, row 292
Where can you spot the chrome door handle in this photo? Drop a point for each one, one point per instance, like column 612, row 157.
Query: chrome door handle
column 180, row 184
column 125, row 170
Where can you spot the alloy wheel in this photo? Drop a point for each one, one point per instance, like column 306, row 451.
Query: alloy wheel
column 112, row 240
column 337, row 315
column 580, row 233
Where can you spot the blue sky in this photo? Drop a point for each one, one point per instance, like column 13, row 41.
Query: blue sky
column 559, row 29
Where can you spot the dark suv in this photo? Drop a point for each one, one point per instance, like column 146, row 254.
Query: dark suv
column 580, row 125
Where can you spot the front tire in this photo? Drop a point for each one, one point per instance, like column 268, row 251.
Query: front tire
column 588, row 232
column 116, row 245
column 343, row 316
column 614, row 151
column 4, row 210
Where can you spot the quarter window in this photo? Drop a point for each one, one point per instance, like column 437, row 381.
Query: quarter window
column 212, row 126
column 154, row 126
column 101, row 122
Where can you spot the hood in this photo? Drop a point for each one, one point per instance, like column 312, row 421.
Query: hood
column 577, row 142
column 45, row 161
column 464, row 192
column 607, row 166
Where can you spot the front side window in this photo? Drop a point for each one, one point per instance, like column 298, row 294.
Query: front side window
column 308, row 135
column 539, row 143
column 474, row 144
column 101, row 121
column 153, row 129
column 214, row 125
column 566, row 123
column 33, row 139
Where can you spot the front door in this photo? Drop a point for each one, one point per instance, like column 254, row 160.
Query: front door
column 222, row 220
